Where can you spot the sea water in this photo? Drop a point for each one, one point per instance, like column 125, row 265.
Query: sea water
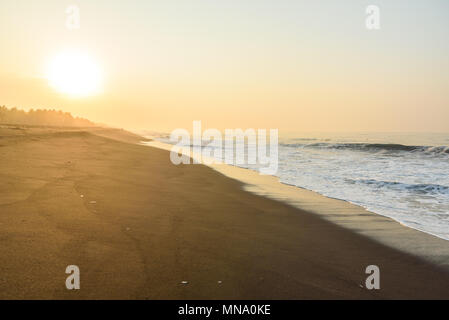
column 404, row 176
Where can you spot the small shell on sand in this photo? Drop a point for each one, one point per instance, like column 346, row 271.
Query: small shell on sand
column 184, row 282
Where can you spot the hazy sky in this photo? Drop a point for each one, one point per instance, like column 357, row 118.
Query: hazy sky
column 292, row 65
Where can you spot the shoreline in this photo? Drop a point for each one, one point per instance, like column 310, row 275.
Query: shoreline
column 139, row 227
column 378, row 227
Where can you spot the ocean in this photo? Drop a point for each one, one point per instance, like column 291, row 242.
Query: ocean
column 404, row 176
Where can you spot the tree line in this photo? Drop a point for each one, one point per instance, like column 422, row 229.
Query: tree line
column 42, row 117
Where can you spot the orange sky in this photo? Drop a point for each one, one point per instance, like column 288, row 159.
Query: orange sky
column 292, row 65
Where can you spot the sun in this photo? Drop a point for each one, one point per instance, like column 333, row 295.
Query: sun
column 74, row 73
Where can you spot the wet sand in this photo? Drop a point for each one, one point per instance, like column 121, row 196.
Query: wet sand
column 138, row 226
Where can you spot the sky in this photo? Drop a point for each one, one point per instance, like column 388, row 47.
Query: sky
column 292, row 65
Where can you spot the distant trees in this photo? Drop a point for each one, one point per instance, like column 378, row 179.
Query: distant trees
column 41, row 117
column 2, row 113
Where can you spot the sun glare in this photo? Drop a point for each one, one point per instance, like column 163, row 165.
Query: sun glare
column 74, row 73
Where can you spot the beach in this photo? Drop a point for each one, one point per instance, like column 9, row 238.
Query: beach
column 139, row 227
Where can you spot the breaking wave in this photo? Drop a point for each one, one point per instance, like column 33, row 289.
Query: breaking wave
column 417, row 188
column 374, row 147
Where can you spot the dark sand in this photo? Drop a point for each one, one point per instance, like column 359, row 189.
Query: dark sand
column 153, row 225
